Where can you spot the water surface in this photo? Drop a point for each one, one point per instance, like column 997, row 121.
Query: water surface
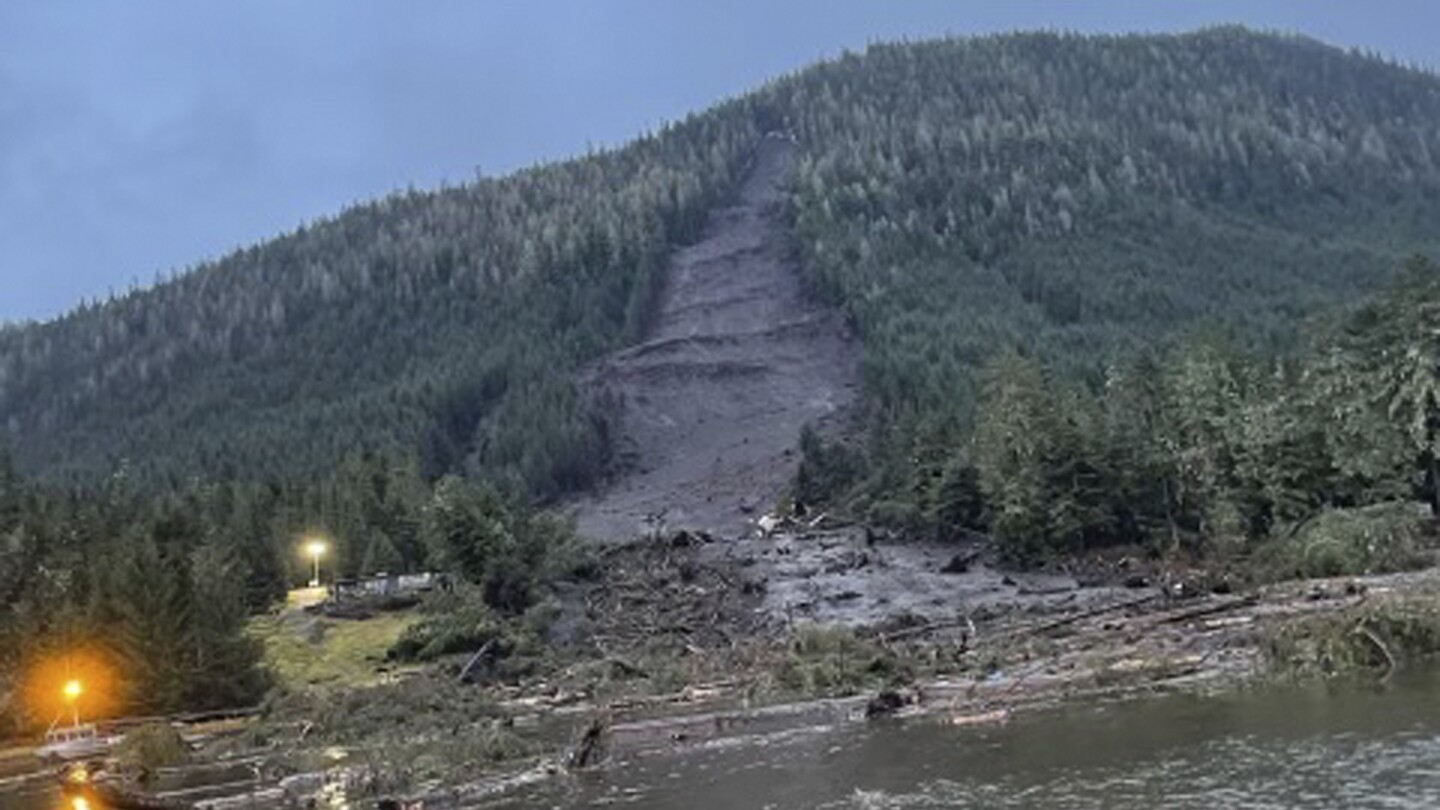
column 1323, row 747
column 1355, row 746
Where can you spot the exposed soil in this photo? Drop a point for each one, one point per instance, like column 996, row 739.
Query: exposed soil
column 845, row 577
column 687, row 642
column 696, row 589
column 971, row 658
column 739, row 359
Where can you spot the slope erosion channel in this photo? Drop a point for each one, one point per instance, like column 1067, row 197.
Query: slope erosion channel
column 739, row 359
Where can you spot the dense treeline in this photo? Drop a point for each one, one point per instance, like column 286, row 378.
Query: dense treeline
column 154, row 587
column 1327, row 458
column 1074, row 196
column 158, row 588
column 446, row 323
column 1079, row 198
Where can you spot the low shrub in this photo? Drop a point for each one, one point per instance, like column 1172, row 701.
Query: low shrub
column 1344, row 542
column 420, row 706
column 456, row 621
column 153, row 746
column 831, row 660
column 1378, row 635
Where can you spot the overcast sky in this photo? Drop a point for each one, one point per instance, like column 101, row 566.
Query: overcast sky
column 140, row 137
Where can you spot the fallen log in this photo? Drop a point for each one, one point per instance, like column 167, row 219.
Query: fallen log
column 1085, row 614
column 1368, row 634
column 273, row 796
column 960, row 563
column 1046, row 590
column 994, row 717
column 1211, row 610
column 926, row 629
column 1045, row 627
column 589, row 749
column 475, row 660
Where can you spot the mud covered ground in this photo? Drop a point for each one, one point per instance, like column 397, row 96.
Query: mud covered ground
column 778, row 621
column 752, row 663
column 696, row 584
column 739, row 359
column 685, row 643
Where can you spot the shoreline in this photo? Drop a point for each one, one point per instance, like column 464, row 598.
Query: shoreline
column 1050, row 650
column 1204, row 645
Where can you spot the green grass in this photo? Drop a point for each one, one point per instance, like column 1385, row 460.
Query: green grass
column 305, row 652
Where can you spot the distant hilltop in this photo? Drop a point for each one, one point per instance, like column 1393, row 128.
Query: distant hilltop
column 1072, row 195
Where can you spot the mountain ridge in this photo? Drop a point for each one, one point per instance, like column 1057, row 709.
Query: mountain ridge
column 1073, row 195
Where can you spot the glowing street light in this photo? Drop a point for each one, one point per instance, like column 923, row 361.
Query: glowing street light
column 316, row 549
column 72, row 690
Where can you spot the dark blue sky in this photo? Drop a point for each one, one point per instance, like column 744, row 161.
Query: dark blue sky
column 143, row 136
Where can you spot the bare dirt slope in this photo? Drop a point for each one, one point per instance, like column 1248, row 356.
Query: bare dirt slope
column 739, row 359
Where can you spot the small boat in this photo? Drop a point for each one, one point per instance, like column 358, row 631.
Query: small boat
column 67, row 743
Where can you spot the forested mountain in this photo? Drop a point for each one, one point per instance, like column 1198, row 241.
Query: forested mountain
column 1077, row 267
column 1071, row 196
column 443, row 322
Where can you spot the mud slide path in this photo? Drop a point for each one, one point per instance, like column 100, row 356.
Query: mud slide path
column 738, row 360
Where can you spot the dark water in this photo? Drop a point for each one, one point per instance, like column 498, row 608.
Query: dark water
column 1326, row 747
column 1357, row 747
column 41, row 790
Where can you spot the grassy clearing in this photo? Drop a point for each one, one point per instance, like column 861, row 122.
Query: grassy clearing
column 306, row 652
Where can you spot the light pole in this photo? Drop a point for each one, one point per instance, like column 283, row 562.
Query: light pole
column 72, row 691
column 316, row 550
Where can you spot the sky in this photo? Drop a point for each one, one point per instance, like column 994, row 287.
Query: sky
column 142, row 137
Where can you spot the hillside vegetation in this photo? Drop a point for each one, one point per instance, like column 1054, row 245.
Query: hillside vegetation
column 1078, row 268
column 1071, row 195
column 444, row 323
column 1323, row 463
column 1078, row 199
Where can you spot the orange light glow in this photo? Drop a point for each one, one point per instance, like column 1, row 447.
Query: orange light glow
column 61, row 685
column 77, row 775
column 79, row 803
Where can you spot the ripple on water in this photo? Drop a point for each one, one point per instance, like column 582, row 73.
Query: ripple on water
column 1241, row 772
column 1320, row 748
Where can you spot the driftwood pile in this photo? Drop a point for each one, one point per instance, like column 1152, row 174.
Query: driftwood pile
column 663, row 593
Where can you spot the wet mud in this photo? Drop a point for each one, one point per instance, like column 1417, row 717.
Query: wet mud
column 740, row 358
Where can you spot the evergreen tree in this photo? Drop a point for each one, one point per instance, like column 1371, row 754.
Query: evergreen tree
column 1382, row 378
column 150, row 599
column 1014, row 440
column 224, row 662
